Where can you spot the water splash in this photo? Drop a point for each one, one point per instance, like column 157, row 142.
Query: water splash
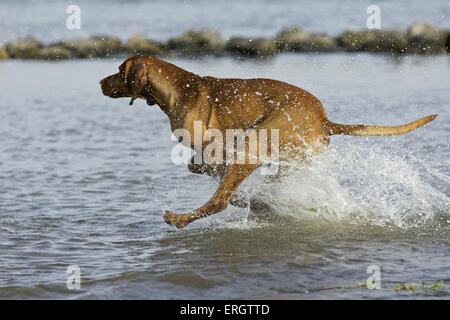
column 358, row 182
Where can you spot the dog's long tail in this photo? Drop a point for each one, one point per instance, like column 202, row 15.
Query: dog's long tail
column 364, row 130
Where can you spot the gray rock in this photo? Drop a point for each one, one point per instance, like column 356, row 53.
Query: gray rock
column 3, row 53
column 93, row 47
column 23, row 49
column 263, row 48
column 447, row 42
column 426, row 39
column 356, row 41
column 298, row 40
column 197, row 43
column 374, row 41
column 140, row 45
column 55, row 52
column 388, row 41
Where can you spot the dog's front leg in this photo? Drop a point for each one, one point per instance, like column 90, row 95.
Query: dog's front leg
column 234, row 176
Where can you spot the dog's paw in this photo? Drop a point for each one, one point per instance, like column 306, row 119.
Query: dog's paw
column 178, row 220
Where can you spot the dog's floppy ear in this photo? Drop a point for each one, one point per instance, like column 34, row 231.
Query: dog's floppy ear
column 135, row 74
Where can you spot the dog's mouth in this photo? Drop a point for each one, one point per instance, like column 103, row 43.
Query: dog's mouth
column 116, row 94
column 112, row 88
column 109, row 92
column 113, row 91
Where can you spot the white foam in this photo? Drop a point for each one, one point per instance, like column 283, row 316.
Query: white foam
column 357, row 181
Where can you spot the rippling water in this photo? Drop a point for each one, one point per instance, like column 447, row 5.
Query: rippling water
column 84, row 181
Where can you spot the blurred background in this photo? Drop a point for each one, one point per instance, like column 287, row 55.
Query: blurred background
column 163, row 19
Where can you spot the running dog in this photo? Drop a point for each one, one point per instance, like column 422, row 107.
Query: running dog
column 234, row 104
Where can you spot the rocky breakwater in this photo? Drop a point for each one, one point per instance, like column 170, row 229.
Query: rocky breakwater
column 420, row 38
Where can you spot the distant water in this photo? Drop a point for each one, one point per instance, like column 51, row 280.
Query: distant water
column 84, row 181
column 161, row 19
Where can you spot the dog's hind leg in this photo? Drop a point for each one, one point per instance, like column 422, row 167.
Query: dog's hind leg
column 234, row 176
column 239, row 200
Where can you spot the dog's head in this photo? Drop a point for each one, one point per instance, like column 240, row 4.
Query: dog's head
column 131, row 81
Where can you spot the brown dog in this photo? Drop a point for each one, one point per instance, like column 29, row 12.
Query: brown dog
column 234, row 104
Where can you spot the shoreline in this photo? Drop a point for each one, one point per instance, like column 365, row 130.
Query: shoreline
column 420, row 38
